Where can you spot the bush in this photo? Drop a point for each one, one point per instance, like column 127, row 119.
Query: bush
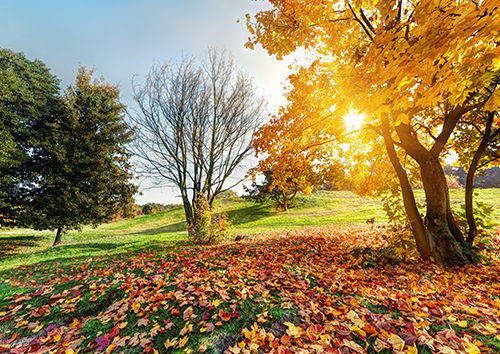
column 453, row 182
column 151, row 208
column 227, row 195
column 209, row 227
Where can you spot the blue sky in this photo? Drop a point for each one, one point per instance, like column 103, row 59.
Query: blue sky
column 124, row 37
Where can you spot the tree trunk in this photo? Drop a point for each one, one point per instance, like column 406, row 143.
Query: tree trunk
column 440, row 224
column 188, row 212
column 471, row 173
column 446, row 250
column 422, row 237
column 59, row 233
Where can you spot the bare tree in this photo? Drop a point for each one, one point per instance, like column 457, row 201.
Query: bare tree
column 195, row 124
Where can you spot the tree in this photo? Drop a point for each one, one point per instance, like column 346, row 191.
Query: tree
column 28, row 99
column 227, row 194
column 295, row 155
column 413, row 68
column 151, row 208
column 81, row 165
column 195, row 124
column 260, row 193
column 477, row 129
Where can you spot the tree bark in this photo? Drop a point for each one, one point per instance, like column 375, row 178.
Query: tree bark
column 422, row 237
column 471, row 173
column 445, row 248
column 188, row 212
column 59, row 233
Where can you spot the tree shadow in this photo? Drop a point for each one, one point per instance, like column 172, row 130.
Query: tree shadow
column 10, row 245
column 176, row 227
column 249, row 214
column 128, row 249
column 92, row 246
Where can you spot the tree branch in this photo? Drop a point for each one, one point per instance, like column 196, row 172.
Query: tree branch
column 361, row 23
column 366, row 20
column 449, row 125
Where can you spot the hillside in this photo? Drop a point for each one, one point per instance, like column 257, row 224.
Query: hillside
column 332, row 207
column 137, row 286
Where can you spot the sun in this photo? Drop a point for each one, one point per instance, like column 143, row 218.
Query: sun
column 353, row 120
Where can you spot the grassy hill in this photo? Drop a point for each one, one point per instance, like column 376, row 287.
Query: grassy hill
column 137, row 286
column 336, row 207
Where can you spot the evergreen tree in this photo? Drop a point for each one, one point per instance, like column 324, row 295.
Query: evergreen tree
column 28, row 101
column 74, row 169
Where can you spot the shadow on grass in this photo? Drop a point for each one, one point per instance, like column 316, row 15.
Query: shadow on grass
column 87, row 250
column 90, row 246
column 249, row 214
column 176, row 227
column 10, row 245
column 52, row 254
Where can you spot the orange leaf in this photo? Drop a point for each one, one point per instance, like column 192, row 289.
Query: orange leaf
column 225, row 316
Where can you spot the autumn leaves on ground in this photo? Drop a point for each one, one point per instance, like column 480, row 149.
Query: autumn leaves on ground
column 308, row 290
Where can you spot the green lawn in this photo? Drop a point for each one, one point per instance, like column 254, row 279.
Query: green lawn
column 322, row 208
column 138, row 286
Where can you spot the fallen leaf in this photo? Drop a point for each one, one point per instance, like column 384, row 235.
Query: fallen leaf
column 183, row 341
column 354, row 346
column 134, row 341
column 397, row 342
column 187, row 313
column 471, row 348
column 411, row 350
column 317, row 348
column 168, row 343
column 122, row 325
column 292, row 330
column 121, row 342
column 225, row 316
column 188, row 328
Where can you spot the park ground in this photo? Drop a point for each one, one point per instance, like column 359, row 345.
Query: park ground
column 314, row 279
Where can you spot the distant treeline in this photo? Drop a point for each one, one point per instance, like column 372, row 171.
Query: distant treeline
column 488, row 178
column 151, row 208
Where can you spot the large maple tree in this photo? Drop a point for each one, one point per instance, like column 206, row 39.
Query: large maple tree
column 413, row 68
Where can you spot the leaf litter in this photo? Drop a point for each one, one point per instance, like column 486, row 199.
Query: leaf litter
column 185, row 297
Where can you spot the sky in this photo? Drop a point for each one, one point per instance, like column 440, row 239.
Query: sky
column 122, row 38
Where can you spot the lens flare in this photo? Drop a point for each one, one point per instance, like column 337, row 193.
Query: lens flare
column 353, row 120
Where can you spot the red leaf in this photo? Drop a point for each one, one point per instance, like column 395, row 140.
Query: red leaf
column 114, row 332
column 102, row 342
column 38, row 312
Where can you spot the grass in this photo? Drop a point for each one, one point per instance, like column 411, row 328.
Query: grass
column 137, row 279
column 27, row 246
column 323, row 208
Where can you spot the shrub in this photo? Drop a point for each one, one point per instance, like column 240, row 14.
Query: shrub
column 209, row 227
column 226, row 195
